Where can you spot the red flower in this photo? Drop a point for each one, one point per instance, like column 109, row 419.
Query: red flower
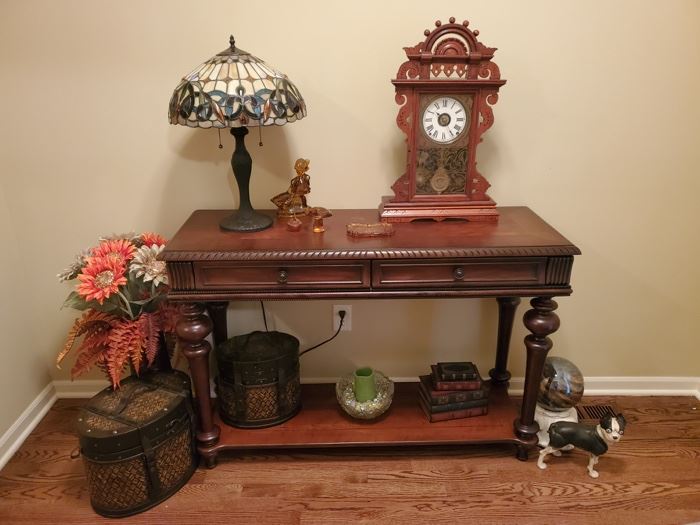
column 101, row 277
column 119, row 250
column 150, row 239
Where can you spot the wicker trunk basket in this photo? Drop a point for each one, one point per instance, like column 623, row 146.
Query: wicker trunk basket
column 258, row 382
column 137, row 442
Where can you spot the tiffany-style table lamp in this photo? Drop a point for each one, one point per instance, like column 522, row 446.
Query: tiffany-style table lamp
column 237, row 90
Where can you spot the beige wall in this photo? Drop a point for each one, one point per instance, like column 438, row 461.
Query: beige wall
column 597, row 130
column 23, row 372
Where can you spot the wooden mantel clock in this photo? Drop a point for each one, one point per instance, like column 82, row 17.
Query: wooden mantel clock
column 445, row 90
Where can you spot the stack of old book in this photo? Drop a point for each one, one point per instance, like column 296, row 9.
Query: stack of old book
column 453, row 391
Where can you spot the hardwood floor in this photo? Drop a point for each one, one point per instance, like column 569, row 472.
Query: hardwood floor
column 651, row 477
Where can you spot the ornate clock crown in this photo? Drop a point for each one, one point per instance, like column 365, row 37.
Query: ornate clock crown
column 450, row 51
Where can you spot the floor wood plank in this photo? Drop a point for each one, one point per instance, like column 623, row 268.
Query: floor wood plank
column 651, row 477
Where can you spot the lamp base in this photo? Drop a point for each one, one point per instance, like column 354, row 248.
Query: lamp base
column 246, row 219
column 241, row 221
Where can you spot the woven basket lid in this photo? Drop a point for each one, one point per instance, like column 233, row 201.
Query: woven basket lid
column 118, row 419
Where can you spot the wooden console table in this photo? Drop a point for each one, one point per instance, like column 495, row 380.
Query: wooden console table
column 519, row 256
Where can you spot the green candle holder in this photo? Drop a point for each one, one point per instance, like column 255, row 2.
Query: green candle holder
column 363, row 385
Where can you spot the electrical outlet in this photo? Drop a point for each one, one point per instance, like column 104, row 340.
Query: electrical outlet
column 347, row 322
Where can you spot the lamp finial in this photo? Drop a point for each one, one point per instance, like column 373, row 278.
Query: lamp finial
column 232, row 41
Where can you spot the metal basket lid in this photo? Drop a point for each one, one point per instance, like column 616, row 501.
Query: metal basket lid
column 258, row 347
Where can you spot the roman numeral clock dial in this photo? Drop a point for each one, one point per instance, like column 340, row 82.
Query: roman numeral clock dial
column 444, row 120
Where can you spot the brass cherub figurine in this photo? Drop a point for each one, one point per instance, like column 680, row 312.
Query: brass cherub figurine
column 293, row 201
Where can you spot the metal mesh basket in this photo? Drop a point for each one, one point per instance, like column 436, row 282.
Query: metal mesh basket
column 258, row 381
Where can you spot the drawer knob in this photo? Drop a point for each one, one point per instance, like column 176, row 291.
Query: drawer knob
column 282, row 277
column 458, row 273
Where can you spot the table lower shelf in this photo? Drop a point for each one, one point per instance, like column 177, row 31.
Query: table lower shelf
column 322, row 423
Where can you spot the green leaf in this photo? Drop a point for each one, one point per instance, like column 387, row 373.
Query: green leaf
column 136, row 310
column 141, row 302
column 135, row 286
column 110, row 305
column 77, row 302
column 153, row 303
column 74, row 300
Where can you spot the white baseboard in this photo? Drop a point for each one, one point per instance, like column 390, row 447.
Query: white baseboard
column 630, row 386
column 13, row 438
column 81, row 389
column 595, row 386
column 598, row 386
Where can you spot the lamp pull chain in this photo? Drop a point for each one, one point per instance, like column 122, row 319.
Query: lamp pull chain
column 221, row 146
column 260, row 135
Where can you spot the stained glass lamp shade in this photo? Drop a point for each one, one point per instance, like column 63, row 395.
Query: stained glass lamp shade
column 237, row 90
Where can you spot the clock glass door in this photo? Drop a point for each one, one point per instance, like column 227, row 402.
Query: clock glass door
column 443, row 144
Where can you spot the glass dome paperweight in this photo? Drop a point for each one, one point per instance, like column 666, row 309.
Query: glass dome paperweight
column 561, row 386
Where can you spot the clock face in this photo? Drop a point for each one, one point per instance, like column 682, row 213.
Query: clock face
column 444, row 120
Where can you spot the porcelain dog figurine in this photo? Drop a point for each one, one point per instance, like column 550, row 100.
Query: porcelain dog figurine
column 593, row 439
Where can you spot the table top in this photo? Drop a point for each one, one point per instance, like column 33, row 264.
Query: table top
column 518, row 232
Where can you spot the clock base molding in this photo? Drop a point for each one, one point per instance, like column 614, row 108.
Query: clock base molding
column 390, row 211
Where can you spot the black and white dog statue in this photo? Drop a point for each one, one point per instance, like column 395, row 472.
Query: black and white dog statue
column 593, row 439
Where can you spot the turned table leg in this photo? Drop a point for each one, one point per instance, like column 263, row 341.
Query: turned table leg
column 541, row 321
column 192, row 329
column 506, row 314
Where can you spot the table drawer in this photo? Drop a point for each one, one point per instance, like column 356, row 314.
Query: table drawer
column 461, row 273
column 220, row 275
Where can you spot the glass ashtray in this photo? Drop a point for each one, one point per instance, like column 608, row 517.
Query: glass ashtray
column 377, row 229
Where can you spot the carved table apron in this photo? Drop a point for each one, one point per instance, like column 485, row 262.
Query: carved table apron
column 519, row 256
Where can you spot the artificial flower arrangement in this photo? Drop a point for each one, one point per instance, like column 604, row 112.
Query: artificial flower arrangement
column 121, row 288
